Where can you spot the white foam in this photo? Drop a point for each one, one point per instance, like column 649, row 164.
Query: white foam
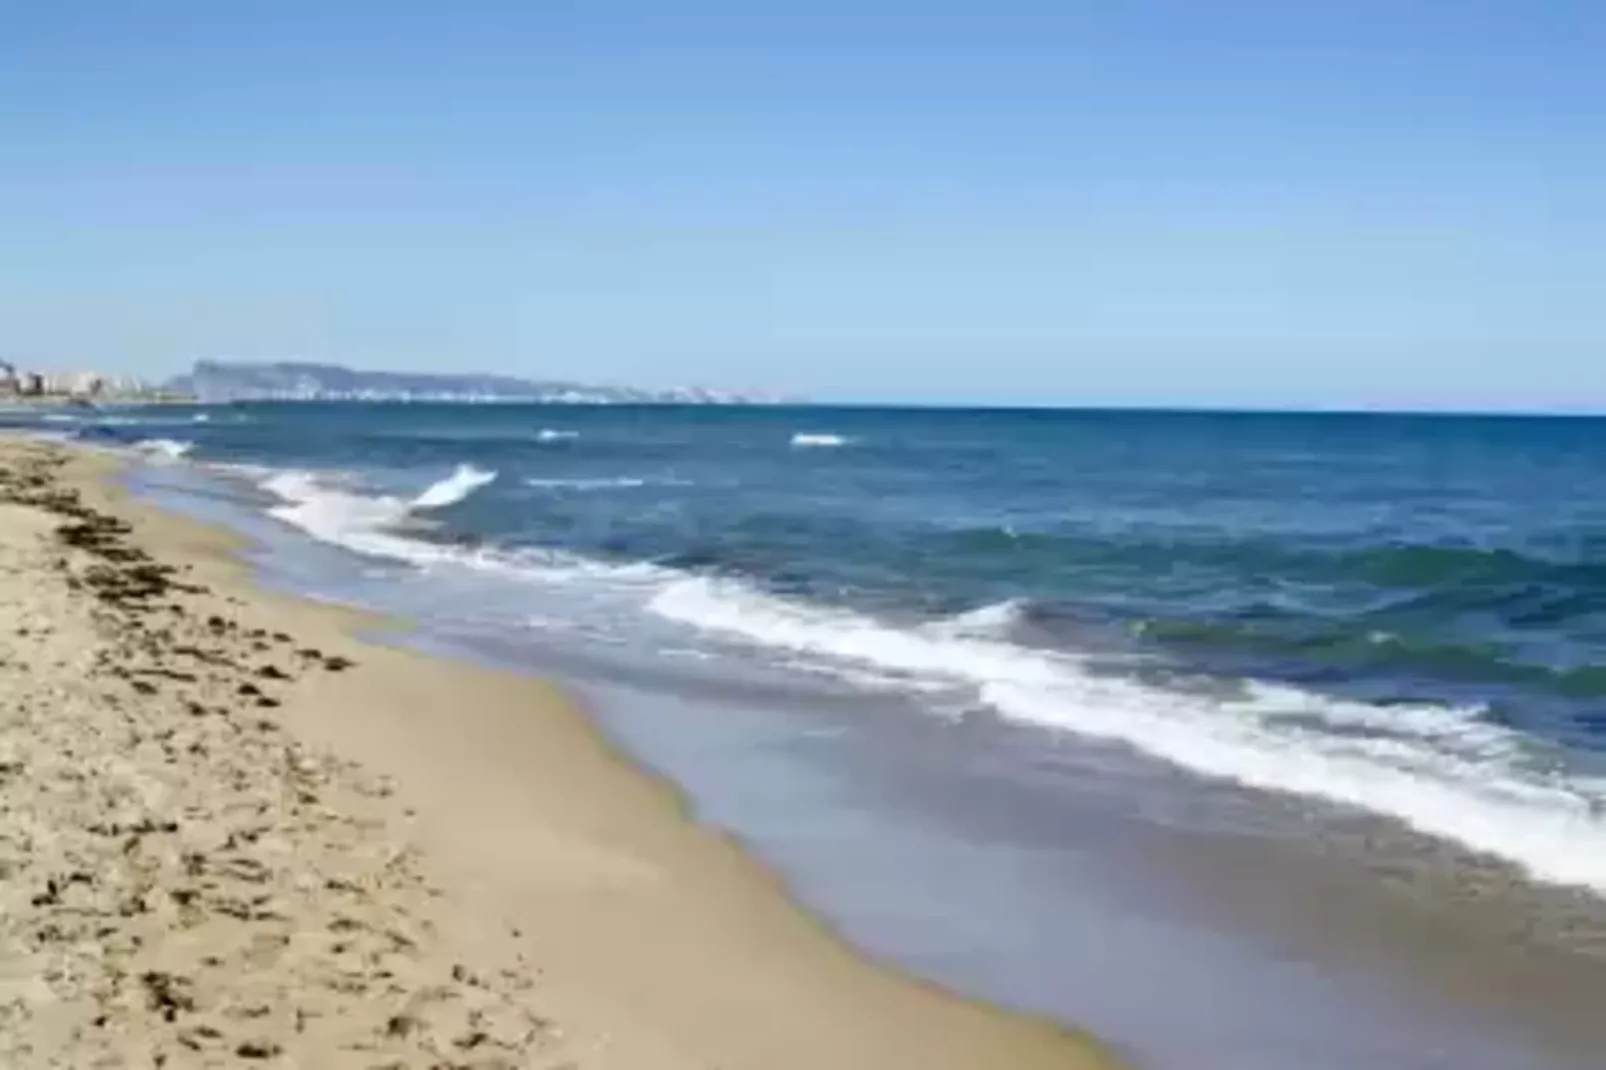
column 586, row 484
column 377, row 526
column 256, row 473
column 605, row 483
column 333, row 515
column 454, row 488
column 1445, row 771
column 806, row 439
column 552, row 434
column 992, row 621
column 169, row 448
column 101, row 418
column 368, row 523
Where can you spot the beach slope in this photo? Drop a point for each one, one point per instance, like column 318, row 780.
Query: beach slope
column 232, row 834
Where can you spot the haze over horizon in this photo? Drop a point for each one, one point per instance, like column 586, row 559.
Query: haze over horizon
column 1229, row 205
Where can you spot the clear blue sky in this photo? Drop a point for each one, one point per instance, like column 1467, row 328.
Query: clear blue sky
column 1215, row 203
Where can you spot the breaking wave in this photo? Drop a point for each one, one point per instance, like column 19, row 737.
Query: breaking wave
column 621, row 482
column 396, row 529
column 1445, row 771
column 993, row 621
column 454, row 488
column 170, row 448
column 370, row 524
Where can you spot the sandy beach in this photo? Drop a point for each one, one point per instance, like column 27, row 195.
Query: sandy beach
column 233, row 833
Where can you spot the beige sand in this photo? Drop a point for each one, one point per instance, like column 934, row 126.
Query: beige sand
column 232, row 834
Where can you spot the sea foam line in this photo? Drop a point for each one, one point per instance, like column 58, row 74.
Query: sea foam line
column 817, row 440
column 366, row 523
column 378, row 526
column 600, row 483
column 169, row 448
column 1445, row 771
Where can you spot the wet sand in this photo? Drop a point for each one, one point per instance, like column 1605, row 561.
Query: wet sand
column 233, row 834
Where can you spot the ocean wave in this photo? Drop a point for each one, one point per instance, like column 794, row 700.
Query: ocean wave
column 115, row 419
column 1416, row 566
column 356, row 521
column 366, row 523
column 553, row 434
column 621, row 482
column 453, row 489
column 256, row 474
column 807, row 439
column 170, row 448
column 1405, row 565
column 1446, row 771
column 389, row 527
column 1322, row 643
column 992, row 621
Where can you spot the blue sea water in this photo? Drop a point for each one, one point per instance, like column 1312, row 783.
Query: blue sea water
column 1395, row 617
column 1403, row 614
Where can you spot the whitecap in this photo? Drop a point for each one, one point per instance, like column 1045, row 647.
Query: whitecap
column 169, row 448
column 621, row 482
column 994, row 620
column 1445, row 771
column 362, row 522
column 382, row 526
column 454, row 488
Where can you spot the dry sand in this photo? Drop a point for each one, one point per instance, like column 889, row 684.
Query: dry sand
column 232, row 834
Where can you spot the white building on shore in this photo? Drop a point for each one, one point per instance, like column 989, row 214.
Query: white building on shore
column 50, row 384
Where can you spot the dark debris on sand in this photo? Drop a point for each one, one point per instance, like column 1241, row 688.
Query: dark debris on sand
column 173, row 923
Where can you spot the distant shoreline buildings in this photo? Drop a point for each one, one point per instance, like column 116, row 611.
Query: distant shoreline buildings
column 222, row 382
column 55, row 385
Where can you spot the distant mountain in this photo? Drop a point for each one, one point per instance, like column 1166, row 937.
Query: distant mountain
column 223, row 381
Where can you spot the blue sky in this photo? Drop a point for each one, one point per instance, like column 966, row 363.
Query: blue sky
column 1233, row 203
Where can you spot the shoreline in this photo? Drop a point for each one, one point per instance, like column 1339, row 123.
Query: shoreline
column 645, row 937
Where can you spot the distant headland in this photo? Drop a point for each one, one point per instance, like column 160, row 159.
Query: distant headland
column 216, row 381
column 223, row 381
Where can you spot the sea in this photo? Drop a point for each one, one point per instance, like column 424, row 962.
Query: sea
column 1246, row 741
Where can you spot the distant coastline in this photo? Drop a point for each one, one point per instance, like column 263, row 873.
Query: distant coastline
column 30, row 387
column 225, row 381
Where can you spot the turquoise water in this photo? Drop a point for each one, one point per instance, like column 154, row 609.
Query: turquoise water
column 1393, row 613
